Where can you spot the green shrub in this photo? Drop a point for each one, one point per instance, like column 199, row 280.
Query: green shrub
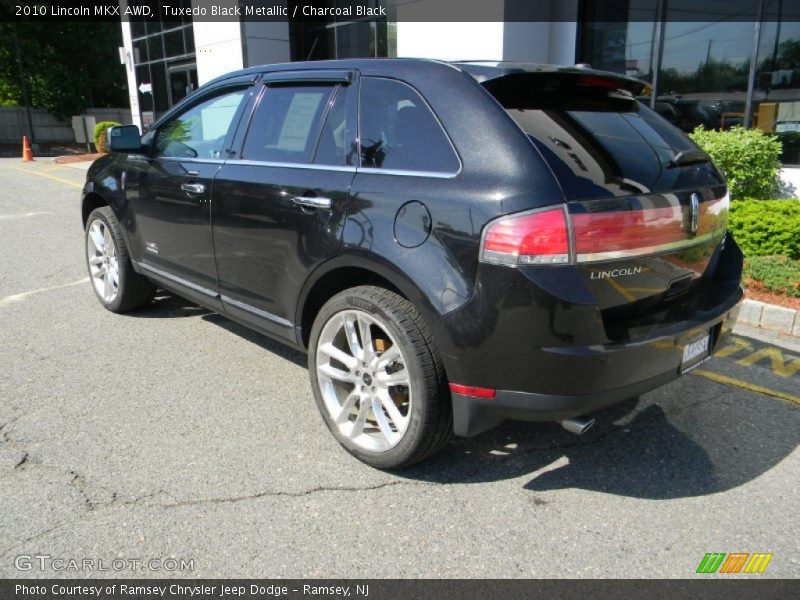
column 100, row 134
column 777, row 274
column 766, row 227
column 748, row 158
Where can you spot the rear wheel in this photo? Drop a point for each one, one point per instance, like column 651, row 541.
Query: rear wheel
column 377, row 380
column 118, row 287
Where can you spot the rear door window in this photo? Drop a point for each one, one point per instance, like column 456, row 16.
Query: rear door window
column 335, row 146
column 597, row 137
column 399, row 131
column 286, row 123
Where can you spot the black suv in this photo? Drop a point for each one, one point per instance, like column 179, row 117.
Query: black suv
column 454, row 244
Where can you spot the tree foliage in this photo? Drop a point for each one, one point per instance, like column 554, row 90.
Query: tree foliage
column 69, row 66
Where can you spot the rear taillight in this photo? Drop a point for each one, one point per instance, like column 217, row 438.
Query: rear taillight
column 533, row 238
column 603, row 230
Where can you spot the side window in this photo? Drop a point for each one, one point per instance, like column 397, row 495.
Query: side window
column 335, row 146
column 200, row 131
column 399, row 131
column 286, row 123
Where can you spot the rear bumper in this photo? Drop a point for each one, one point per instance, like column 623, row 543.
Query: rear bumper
column 472, row 415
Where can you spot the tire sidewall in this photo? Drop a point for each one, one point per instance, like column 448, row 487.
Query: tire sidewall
column 106, row 215
column 398, row 454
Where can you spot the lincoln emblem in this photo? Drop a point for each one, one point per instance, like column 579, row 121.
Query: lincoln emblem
column 695, row 199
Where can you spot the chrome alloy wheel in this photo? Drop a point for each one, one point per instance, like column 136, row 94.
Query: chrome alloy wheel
column 364, row 380
column 102, row 256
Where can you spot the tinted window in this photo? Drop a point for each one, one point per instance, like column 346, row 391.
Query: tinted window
column 598, row 139
column 286, row 124
column 335, row 146
column 398, row 130
column 200, row 131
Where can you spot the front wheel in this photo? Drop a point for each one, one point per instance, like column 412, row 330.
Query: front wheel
column 377, row 379
column 118, row 287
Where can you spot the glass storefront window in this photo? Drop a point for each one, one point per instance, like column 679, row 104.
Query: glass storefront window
column 140, row 52
column 173, row 43
column 703, row 58
column 155, row 47
column 704, row 72
column 619, row 37
column 165, row 61
column 188, row 38
column 160, row 94
column 776, row 97
column 137, row 27
column 339, row 38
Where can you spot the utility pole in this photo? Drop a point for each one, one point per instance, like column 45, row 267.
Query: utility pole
column 751, row 77
column 24, row 86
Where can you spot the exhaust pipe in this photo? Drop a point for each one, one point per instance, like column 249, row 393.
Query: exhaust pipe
column 577, row 425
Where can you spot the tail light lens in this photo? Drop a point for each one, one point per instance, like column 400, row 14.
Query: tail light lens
column 534, row 238
column 603, row 230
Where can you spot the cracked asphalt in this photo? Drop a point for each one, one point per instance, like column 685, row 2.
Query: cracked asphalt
column 175, row 433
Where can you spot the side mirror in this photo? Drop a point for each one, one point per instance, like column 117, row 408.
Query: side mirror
column 124, row 138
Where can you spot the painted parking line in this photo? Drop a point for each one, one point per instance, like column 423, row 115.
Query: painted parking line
column 23, row 215
column 47, row 175
column 23, row 295
column 746, row 353
column 746, row 385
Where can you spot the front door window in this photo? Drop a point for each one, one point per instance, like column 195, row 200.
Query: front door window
column 200, row 131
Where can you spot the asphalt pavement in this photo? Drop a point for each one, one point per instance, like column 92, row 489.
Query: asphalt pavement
column 173, row 434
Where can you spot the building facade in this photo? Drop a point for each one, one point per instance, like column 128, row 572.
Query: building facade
column 731, row 62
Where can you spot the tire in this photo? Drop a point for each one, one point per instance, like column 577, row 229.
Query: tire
column 106, row 255
column 403, row 423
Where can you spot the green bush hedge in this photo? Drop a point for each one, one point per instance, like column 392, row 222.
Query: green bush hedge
column 766, row 227
column 748, row 158
column 100, row 134
column 778, row 274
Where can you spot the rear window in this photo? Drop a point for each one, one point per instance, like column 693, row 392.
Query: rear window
column 597, row 137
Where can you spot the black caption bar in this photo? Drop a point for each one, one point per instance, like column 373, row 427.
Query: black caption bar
column 712, row 11
column 410, row 589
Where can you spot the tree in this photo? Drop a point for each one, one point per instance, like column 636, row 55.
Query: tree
column 69, row 66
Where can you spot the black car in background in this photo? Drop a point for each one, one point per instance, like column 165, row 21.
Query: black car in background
column 453, row 244
column 691, row 113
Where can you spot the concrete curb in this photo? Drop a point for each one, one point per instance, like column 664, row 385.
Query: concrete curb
column 769, row 316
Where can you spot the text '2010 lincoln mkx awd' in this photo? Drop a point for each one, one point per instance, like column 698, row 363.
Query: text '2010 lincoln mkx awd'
column 453, row 244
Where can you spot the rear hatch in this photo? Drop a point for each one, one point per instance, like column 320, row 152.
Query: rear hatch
column 645, row 208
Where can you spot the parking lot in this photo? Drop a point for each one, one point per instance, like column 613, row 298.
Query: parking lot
column 174, row 433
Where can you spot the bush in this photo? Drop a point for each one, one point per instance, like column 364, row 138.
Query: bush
column 766, row 227
column 100, row 134
column 776, row 274
column 748, row 158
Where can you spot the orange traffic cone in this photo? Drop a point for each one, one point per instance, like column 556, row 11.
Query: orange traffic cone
column 27, row 154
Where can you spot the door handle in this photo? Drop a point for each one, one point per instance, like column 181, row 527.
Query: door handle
column 193, row 188
column 312, row 202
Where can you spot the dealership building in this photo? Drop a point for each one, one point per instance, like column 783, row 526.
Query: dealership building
column 726, row 63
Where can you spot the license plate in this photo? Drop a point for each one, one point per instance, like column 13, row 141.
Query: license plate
column 696, row 349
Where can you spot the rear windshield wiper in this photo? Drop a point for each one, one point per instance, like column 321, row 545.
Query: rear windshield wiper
column 688, row 157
